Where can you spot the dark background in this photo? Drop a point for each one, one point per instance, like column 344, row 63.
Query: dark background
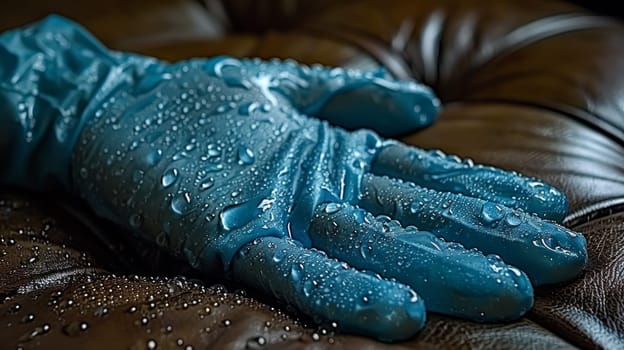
column 606, row 7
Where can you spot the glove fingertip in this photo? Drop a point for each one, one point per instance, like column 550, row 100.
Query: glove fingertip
column 329, row 290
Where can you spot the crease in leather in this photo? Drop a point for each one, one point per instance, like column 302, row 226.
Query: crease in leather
column 398, row 66
column 594, row 211
column 541, row 29
column 588, row 311
column 431, row 42
column 582, row 339
column 400, row 41
column 534, row 32
column 393, row 61
column 585, row 118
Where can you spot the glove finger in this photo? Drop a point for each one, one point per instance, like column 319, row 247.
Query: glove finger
column 547, row 252
column 391, row 108
column 452, row 280
column 434, row 169
column 387, row 106
column 317, row 285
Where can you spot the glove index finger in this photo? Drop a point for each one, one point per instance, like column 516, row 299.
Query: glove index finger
column 330, row 290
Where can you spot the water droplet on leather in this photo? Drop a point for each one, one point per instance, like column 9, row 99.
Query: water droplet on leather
column 101, row 311
column 491, row 213
column 15, row 308
column 256, row 342
column 45, row 328
column 169, row 177
column 28, row 318
column 75, row 328
column 131, row 309
column 151, row 344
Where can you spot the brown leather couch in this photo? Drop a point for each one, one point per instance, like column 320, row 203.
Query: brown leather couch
column 535, row 86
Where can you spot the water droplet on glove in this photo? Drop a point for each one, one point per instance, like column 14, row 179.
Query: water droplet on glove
column 491, row 213
column 181, row 203
column 169, row 177
column 245, row 155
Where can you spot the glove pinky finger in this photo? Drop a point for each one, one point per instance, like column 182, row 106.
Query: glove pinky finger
column 317, row 285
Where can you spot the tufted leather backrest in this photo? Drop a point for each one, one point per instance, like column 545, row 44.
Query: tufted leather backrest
column 534, row 86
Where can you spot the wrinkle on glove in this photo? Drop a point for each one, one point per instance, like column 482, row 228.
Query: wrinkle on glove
column 53, row 77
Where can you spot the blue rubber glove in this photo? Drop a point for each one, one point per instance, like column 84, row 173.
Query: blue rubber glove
column 218, row 162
